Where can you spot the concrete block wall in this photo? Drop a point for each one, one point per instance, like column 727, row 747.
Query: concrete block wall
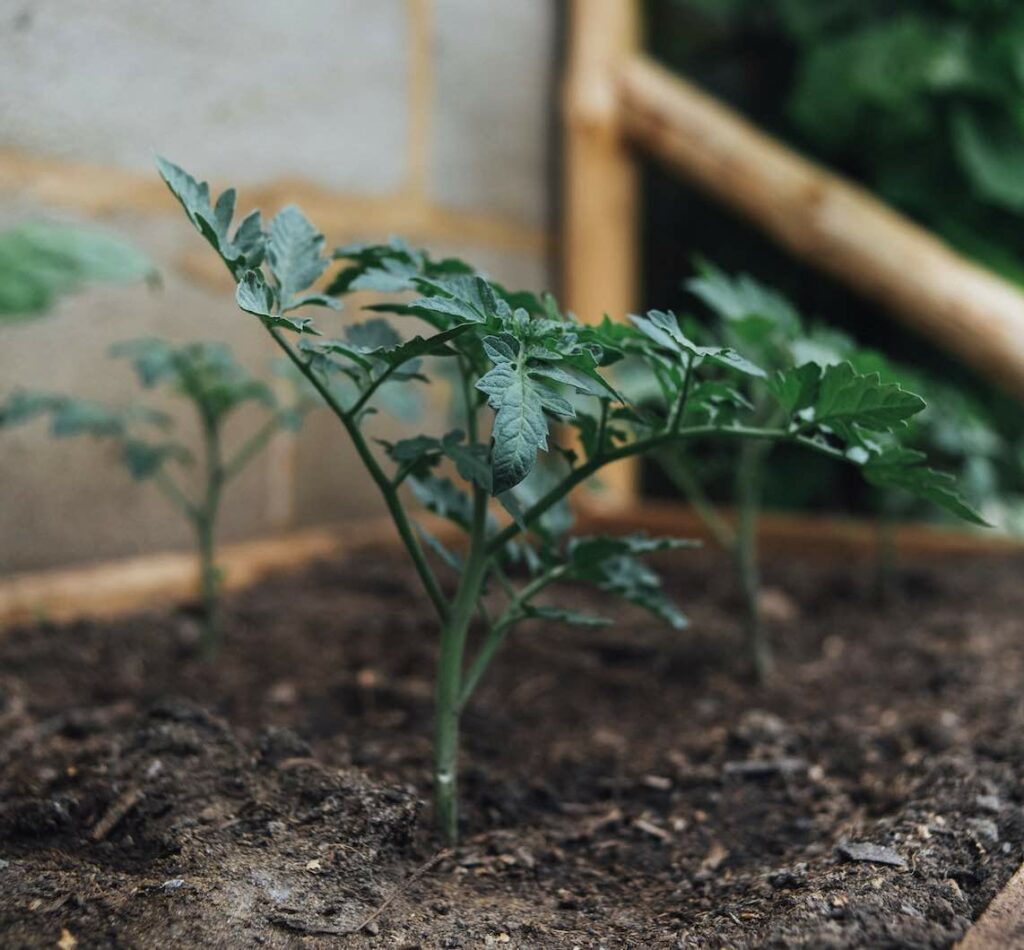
column 427, row 118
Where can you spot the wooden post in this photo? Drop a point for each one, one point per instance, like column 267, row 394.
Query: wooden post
column 828, row 222
column 600, row 182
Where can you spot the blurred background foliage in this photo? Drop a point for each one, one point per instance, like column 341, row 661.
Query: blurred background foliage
column 922, row 102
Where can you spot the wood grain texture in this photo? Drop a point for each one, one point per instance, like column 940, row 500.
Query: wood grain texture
column 600, row 184
column 117, row 588
column 1001, row 926
column 828, row 222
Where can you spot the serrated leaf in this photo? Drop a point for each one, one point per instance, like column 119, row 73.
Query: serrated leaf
column 848, row 398
column 254, row 295
column 663, row 328
column 566, row 615
column 741, row 297
column 40, row 260
column 465, row 296
column 610, row 564
column 796, row 388
column 901, row 468
column 520, row 427
column 243, row 252
column 443, row 498
column 144, row 459
column 294, row 255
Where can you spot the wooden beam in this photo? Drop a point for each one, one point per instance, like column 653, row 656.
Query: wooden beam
column 158, row 580
column 805, row 536
column 825, row 220
column 115, row 588
column 600, row 182
column 1001, row 926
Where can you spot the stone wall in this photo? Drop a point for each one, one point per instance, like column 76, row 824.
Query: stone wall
column 427, row 118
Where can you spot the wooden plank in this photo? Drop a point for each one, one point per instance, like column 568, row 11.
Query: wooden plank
column 599, row 229
column 828, row 222
column 803, row 536
column 1001, row 926
column 115, row 588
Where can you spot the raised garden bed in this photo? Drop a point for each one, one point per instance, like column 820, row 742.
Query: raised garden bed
column 625, row 787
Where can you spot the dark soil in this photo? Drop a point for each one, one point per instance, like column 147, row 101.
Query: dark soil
column 624, row 787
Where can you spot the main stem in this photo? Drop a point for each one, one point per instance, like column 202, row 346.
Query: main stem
column 383, row 483
column 447, row 710
column 205, row 520
column 746, row 555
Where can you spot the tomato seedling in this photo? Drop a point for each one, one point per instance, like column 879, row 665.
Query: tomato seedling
column 519, row 364
column 208, row 376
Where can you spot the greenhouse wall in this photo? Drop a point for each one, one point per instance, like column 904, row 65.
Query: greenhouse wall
column 397, row 133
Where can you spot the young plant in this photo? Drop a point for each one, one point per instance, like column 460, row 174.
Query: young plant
column 765, row 328
column 207, row 375
column 520, row 364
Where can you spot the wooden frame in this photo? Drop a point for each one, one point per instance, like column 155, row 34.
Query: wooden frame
column 616, row 96
column 154, row 581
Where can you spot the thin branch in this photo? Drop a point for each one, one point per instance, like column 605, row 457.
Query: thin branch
column 642, row 446
column 676, row 415
column 514, row 612
column 173, row 492
column 380, row 479
column 252, row 447
column 680, row 474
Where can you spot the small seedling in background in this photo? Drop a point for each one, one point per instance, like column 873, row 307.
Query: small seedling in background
column 521, row 364
column 207, row 375
column 765, row 328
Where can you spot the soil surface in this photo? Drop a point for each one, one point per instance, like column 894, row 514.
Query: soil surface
column 623, row 787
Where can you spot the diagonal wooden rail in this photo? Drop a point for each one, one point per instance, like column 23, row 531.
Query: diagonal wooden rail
column 828, row 222
column 615, row 98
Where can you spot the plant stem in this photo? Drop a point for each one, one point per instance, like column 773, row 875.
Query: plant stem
column 745, row 551
column 887, row 567
column 681, row 475
column 251, row 448
column 388, row 491
column 447, row 710
column 205, row 521
column 641, row 446
column 498, row 630
column 676, row 415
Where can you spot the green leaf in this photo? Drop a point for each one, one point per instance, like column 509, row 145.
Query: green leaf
column 254, row 295
column 41, row 260
column 520, row 401
column 901, row 468
column 144, row 459
column 470, row 460
column 23, row 406
column 520, row 427
column 566, row 615
column 847, row 398
column 663, row 328
column 610, row 563
column 443, row 498
column 741, row 298
column 295, row 256
column 73, row 417
column 241, row 253
column 796, row 388
column 992, row 155
column 204, row 372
